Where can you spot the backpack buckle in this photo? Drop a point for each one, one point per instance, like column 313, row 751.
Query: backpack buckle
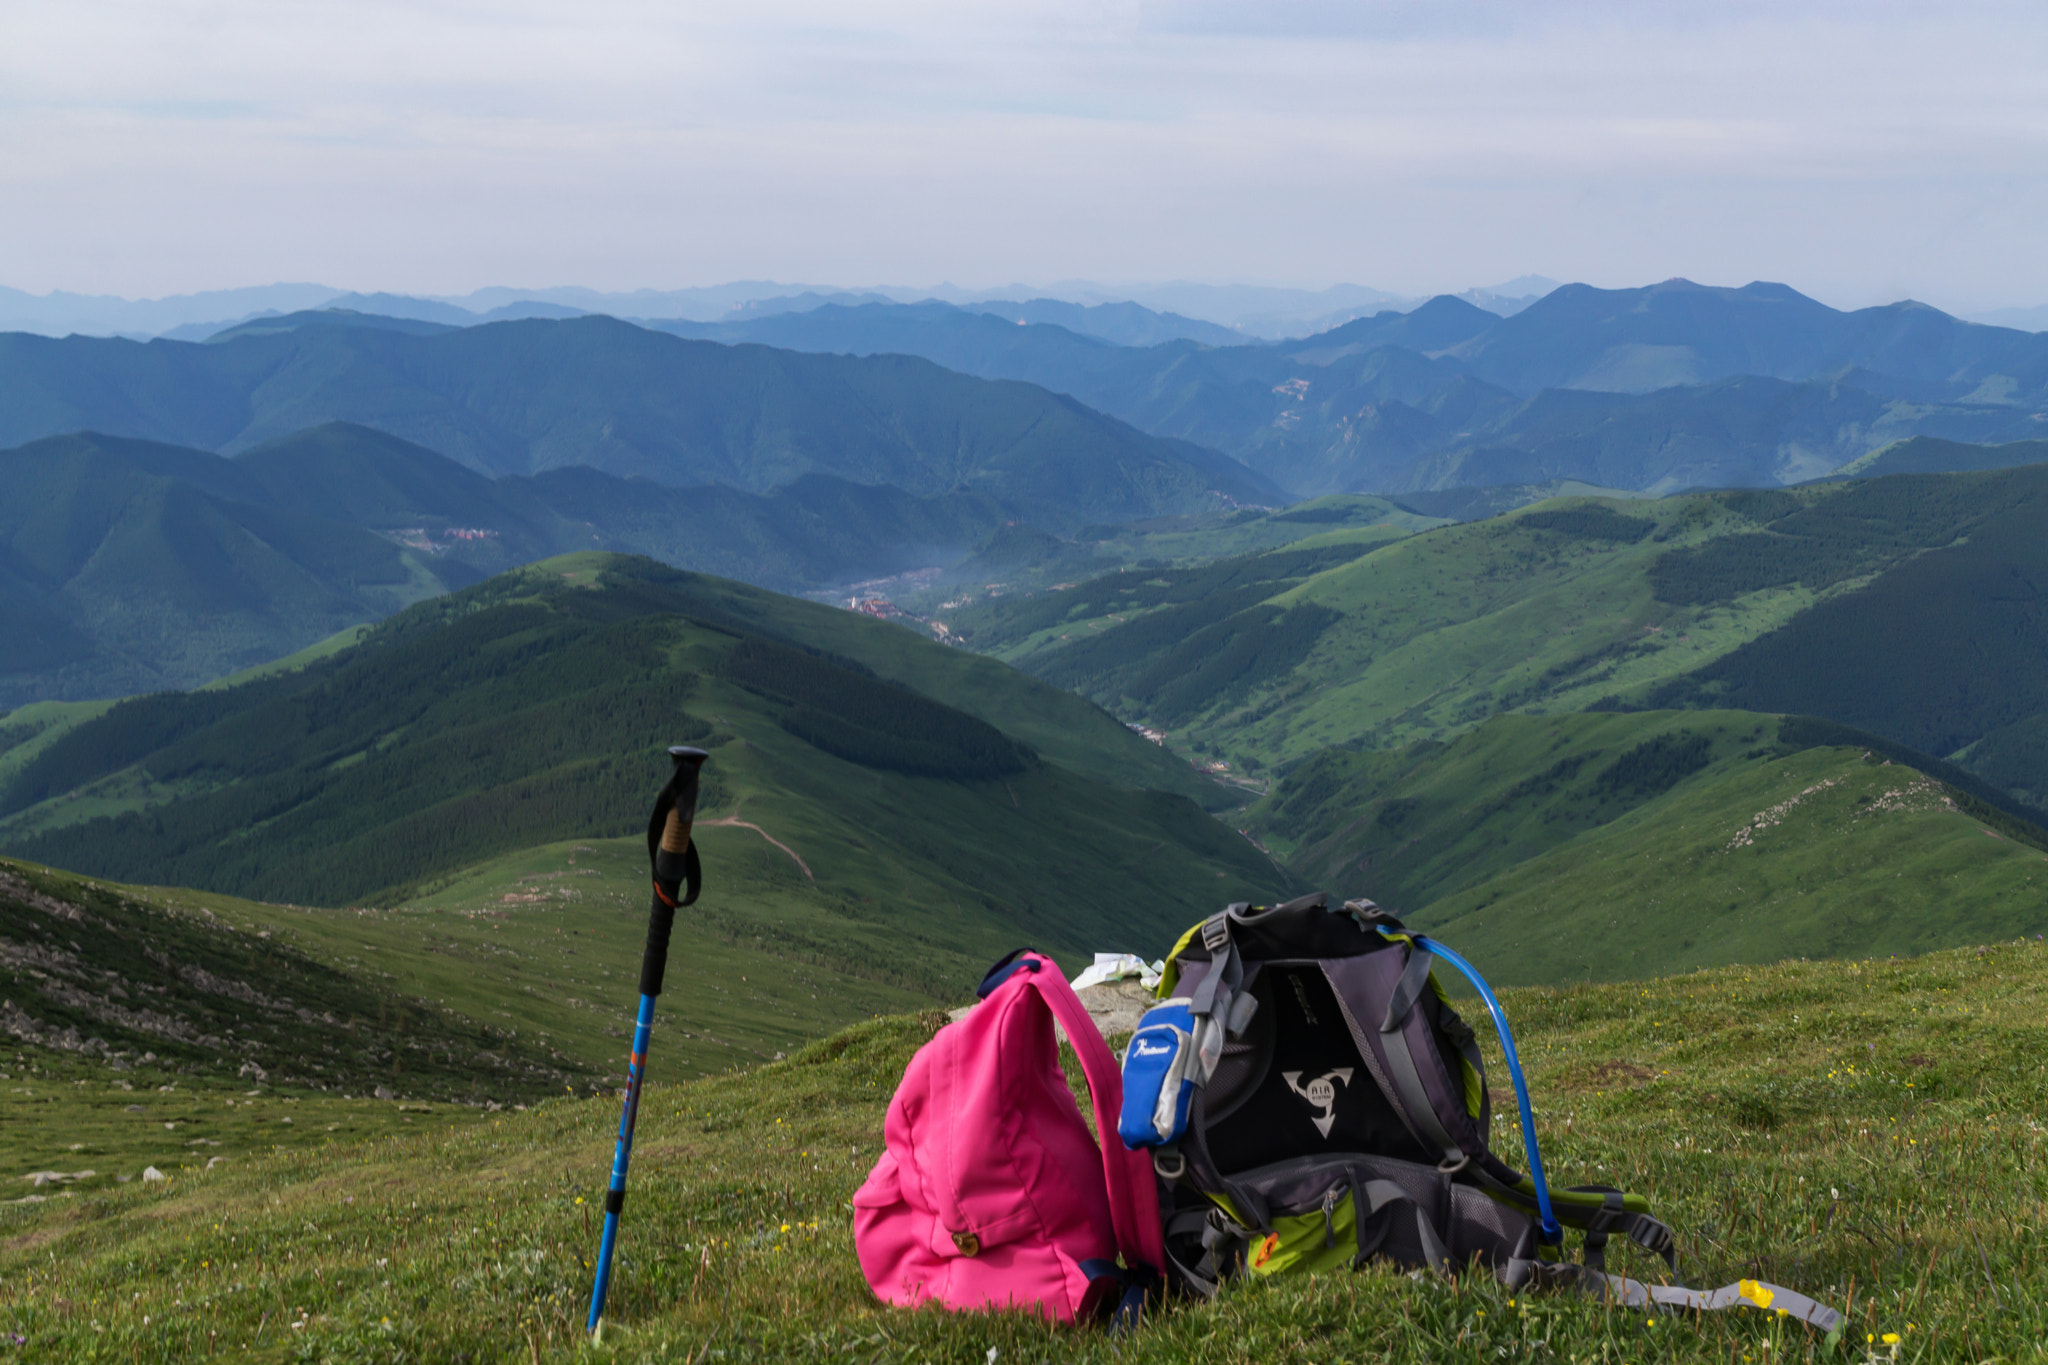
column 968, row 1243
column 1216, row 931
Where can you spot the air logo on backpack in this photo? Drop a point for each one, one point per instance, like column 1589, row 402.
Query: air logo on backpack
column 1320, row 1092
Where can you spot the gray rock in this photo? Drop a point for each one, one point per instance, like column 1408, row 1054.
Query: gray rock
column 1115, row 1006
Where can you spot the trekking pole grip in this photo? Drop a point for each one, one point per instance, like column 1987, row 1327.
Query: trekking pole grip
column 673, row 856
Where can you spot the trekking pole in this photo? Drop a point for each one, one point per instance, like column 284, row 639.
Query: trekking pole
column 673, row 856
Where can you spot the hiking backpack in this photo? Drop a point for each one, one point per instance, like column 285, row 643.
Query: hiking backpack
column 1311, row 1100
column 992, row 1193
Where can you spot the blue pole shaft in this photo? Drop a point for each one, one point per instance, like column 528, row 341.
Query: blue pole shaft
column 1552, row 1233
column 615, row 1197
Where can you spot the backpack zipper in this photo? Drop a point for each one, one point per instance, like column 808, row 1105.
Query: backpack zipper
column 1330, row 1217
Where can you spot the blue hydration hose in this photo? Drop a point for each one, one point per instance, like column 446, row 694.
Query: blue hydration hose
column 1552, row 1233
column 615, row 1196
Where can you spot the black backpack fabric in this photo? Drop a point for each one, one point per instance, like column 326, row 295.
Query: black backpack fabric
column 1345, row 1115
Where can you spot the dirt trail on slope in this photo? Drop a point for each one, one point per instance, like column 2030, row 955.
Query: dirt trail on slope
column 802, row 866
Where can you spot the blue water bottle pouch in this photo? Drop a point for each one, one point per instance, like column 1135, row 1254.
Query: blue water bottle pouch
column 1160, row 1072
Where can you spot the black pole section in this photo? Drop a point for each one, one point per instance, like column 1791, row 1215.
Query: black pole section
column 672, row 855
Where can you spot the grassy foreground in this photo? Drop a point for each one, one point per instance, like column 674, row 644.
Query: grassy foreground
column 1865, row 1131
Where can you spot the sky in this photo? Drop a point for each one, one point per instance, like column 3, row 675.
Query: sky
column 1862, row 152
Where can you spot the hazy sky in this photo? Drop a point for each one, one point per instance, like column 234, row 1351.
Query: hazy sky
column 1860, row 151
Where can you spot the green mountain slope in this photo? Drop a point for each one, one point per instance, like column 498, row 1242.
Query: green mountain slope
column 1428, row 823
column 525, row 711
column 1856, row 601
column 127, row 567
column 978, row 595
column 1549, row 607
column 525, row 397
column 1825, row 854
column 118, row 978
column 1931, row 455
column 1945, row 650
column 1558, row 848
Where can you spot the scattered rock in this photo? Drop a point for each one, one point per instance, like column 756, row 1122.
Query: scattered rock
column 1115, row 1006
column 135, row 1109
column 385, row 1092
column 151, row 1174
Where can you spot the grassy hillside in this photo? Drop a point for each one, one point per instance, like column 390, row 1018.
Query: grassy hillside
column 116, row 978
column 1857, row 1130
column 1547, row 608
column 1931, row 455
column 976, row 599
column 533, row 709
column 1824, row 854
column 1946, row 651
column 1858, row 601
column 1562, row 848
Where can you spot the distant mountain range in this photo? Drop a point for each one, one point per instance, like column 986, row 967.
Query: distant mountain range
column 1213, row 314
column 1671, row 386
column 1658, row 389
column 525, row 397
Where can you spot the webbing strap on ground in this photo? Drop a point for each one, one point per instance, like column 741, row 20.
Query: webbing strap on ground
column 1629, row 1293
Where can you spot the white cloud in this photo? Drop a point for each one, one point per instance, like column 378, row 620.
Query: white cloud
column 1859, row 151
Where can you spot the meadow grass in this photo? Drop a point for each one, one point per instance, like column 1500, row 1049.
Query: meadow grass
column 1866, row 1132
column 1826, row 853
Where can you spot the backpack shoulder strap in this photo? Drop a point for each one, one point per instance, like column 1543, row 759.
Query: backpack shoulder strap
column 1133, row 1196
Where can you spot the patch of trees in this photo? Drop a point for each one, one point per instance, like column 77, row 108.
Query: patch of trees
column 1866, row 526
column 840, row 707
column 1590, row 522
column 1935, row 654
column 1143, row 588
column 1655, row 766
column 1545, row 782
column 1221, row 664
